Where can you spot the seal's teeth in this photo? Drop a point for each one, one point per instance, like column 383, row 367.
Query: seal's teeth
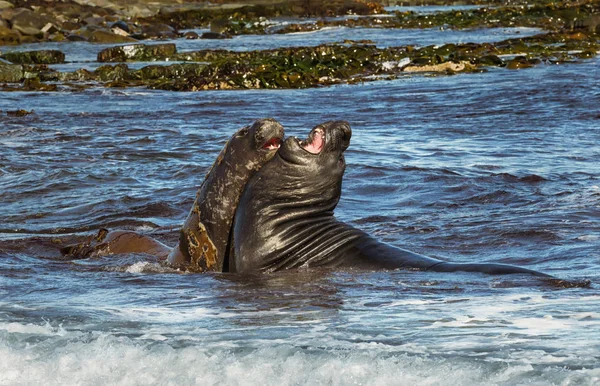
column 272, row 144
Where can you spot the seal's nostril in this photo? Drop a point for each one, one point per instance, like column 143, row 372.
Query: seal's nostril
column 346, row 134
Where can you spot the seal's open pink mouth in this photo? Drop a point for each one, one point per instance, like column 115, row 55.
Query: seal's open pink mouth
column 272, row 144
column 315, row 141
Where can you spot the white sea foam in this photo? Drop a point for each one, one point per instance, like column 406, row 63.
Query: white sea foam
column 33, row 329
column 141, row 267
column 123, row 361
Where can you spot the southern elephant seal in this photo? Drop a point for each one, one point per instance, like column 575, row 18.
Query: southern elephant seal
column 204, row 237
column 285, row 216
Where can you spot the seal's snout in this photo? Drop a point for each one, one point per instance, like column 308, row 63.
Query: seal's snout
column 268, row 133
column 341, row 131
column 346, row 134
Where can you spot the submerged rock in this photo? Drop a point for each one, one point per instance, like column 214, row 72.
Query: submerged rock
column 11, row 73
column 35, row 57
column 214, row 35
column 19, row 113
column 137, row 52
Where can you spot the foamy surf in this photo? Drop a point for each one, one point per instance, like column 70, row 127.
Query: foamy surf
column 103, row 359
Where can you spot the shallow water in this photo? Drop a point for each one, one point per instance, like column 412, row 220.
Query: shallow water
column 500, row 167
column 84, row 54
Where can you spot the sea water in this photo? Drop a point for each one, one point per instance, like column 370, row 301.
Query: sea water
column 501, row 166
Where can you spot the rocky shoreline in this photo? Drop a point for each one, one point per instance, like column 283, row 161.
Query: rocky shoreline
column 107, row 22
column 572, row 36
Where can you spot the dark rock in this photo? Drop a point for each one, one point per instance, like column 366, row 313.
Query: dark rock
column 105, row 37
column 94, row 20
column 88, row 30
column 157, row 31
column 57, row 37
column 7, row 14
column 213, row 35
column 590, row 23
column 78, row 76
column 123, row 26
column 426, row 60
column 19, row 113
column 5, row 4
column 137, row 52
column 70, row 25
column 112, row 73
column 153, row 72
column 219, row 25
column 28, row 22
column 191, row 35
column 76, row 38
column 35, row 57
column 489, row 60
column 587, row 54
column 9, row 37
column 521, row 62
column 34, row 84
column 184, row 70
column 11, row 73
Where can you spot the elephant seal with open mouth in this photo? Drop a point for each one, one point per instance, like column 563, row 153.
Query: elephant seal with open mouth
column 285, row 216
column 203, row 239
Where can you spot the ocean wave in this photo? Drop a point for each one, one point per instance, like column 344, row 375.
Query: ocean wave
column 109, row 359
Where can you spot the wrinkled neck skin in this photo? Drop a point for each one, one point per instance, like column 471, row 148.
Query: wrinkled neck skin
column 206, row 229
column 285, row 217
column 285, row 220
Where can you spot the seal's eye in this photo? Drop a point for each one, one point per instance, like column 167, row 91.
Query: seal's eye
column 243, row 132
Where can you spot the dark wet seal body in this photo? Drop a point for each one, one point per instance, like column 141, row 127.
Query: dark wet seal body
column 203, row 239
column 204, row 236
column 285, row 216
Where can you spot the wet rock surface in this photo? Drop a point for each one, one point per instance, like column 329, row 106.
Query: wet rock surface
column 35, row 57
column 137, row 52
column 11, row 73
column 571, row 38
column 106, row 37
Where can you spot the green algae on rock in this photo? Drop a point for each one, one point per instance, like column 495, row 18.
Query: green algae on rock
column 137, row 52
column 35, row 57
column 11, row 73
column 248, row 15
column 552, row 16
column 303, row 67
column 19, row 113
